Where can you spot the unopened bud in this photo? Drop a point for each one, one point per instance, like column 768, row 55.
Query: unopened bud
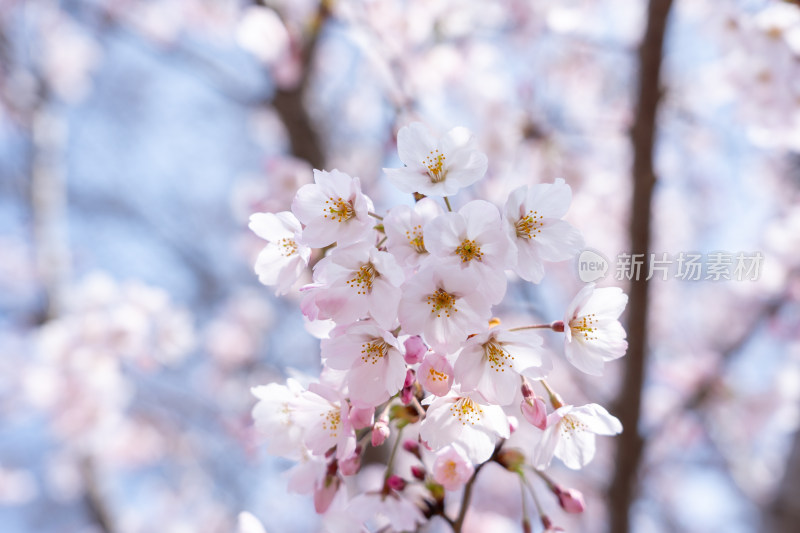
column 361, row 417
column 418, row 472
column 535, row 411
column 395, row 482
column 511, row 460
column 570, row 500
column 380, row 432
column 557, row 326
column 412, row 446
column 415, row 349
column 407, row 394
column 351, row 465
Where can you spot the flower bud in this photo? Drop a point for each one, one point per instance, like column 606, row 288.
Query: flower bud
column 395, row 482
column 407, row 393
column 380, row 432
column 361, row 417
column 570, row 500
column 418, row 472
column 412, row 446
column 511, row 460
column 351, row 465
column 324, row 493
column 415, row 349
column 535, row 411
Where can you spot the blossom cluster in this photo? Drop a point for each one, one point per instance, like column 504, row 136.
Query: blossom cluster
column 412, row 345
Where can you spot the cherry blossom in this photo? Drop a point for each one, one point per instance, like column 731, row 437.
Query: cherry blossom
column 570, row 435
column 473, row 240
column 532, row 218
column 373, row 358
column 452, row 469
column 443, row 306
column 284, row 258
column 355, row 282
column 593, row 332
column 436, row 168
column 492, row 363
column 467, row 420
column 404, row 230
column 333, row 209
column 274, row 417
column 435, row 374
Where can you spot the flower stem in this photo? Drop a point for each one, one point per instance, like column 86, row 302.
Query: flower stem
column 447, row 203
column 390, row 463
column 462, row 513
column 375, row 215
column 535, row 326
column 555, row 399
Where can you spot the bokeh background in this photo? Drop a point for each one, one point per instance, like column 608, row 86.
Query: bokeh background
column 136, row 138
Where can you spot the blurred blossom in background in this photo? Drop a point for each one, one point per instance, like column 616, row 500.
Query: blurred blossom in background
column 136, row 138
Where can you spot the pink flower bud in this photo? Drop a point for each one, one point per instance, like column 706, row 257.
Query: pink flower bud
column 411, row 446
column 395, row 482
column 408, row 387
column 513, row 424
column 415, row 349
column 436, row 374
column 351, row 465
column 324, row 493
column 535, row 411
column 418, row 472
column 570, row 500
column 361, row 417
column 380, row 432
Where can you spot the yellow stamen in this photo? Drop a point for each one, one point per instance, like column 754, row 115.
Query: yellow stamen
column 529, row 226
column 442, row 300
column 338, row 210
column 469, row 250
column 435, row 163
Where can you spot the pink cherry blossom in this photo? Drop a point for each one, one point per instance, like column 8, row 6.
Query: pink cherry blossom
column 436, row 168
column 533, row 223
column 355, row 282
column 593, row 332
column 436, row 374
column 452, row 469
column 333, row 209
column 372, row 358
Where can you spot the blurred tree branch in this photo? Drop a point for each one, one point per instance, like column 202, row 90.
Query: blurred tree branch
column 289, row 102
column 628, row 404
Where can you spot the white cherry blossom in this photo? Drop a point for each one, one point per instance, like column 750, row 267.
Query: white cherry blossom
column 464, row 419
column 404, row 230
column 473, row 241
column 532, row 219
column 436, row 167
column 593, row 332
column 355, row 282
column 570, row 435
column 443, row 306
column 284, row 258
column 274, row 417
column 333, row 209
column 325, row 417
column 492, row 362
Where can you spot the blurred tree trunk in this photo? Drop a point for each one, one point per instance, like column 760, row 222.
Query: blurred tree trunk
column 628, row 403
column 783, row 513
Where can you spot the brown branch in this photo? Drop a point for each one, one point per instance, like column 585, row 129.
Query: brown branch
column 643, row 133
column 94, row 499
column 289, row 102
